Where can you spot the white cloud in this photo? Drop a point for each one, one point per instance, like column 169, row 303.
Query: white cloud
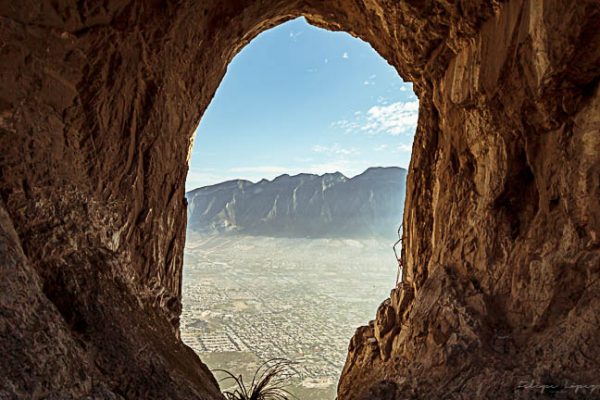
column 381, row 147
column 335, row 149
column 345, row 55
column 395, row 119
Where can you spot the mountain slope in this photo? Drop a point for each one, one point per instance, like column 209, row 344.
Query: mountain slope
column 304, row 205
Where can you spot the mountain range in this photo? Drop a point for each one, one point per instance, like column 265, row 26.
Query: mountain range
column 369, row 205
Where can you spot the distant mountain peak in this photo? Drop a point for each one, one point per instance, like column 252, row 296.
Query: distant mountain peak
column 336, row 174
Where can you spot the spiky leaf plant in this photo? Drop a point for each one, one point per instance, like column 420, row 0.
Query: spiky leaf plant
column 267, row 384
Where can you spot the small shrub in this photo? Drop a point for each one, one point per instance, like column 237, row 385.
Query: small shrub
column 267, row 384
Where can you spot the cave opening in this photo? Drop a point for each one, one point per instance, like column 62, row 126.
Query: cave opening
column 97, row 107
column 295, row 192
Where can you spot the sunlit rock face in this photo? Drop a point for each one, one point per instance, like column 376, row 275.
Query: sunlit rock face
column 98, row 103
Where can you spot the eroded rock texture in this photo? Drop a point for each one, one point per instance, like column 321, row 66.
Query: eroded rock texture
column 98, row 102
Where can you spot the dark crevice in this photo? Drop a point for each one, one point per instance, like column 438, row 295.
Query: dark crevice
column 56, row 290
column 518, row 202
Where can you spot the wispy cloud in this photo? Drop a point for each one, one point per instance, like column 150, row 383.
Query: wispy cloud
column 393, row 119
column 335, row 149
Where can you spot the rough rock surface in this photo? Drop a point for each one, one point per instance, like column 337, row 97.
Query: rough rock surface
column 98, row 102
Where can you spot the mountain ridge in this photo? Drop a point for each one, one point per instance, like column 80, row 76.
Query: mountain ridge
column 369, row 204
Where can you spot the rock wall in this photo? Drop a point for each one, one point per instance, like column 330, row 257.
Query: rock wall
column 98, row 103
column 502, row 221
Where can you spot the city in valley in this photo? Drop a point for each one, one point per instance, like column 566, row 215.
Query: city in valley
column 249, row 299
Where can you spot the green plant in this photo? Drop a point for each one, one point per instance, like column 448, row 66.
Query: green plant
column 267, row 384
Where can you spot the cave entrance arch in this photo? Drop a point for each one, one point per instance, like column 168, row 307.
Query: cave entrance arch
column 225, row 292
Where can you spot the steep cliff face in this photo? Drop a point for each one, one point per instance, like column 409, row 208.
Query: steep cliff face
column 98, row 102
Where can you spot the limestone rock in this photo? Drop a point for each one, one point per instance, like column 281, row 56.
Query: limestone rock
column 98, row 103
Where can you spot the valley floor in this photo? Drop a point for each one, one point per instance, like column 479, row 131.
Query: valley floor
column 250, row 299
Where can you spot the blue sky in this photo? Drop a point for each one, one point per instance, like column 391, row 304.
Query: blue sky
column 302, row 99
